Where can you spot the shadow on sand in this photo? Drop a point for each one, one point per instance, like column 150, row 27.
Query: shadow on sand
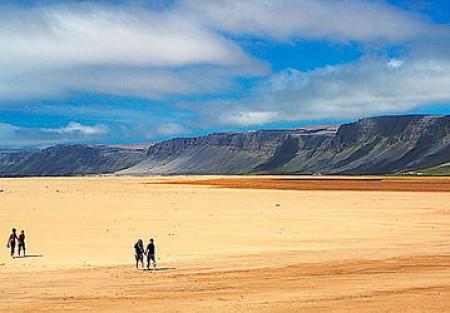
column 160, row 269
column 28, row 256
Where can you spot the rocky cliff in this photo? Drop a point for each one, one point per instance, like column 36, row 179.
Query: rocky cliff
column 380, row 145
column 230, row 153
column 66, row 160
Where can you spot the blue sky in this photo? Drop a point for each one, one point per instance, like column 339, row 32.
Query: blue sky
column 138, row 71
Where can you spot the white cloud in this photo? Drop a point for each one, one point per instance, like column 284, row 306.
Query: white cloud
column 242, row 117
column 12, row 136
column 395, row 63
column 54, row 50
column 344, row 20
column 73, row 128
column 108, row 35
column 347, row 91
column 171, row 129
column 369, row 86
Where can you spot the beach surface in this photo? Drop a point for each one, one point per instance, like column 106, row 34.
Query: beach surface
column 228, row 244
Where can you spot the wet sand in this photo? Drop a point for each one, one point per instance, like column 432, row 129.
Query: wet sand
column 228, row 244
column 415, row 184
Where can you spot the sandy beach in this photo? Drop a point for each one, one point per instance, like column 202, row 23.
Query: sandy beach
column 228, row 244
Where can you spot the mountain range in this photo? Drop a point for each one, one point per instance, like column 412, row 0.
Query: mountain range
column 379, row 145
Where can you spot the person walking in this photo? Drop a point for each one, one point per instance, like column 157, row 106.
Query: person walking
column 21, row 241
column 12, row 241
column 150, row 252
column 139, row 253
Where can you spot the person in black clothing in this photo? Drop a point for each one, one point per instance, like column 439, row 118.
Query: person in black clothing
column 21, row 240
column 139, row 253
column 150, row 252
column 12, row 241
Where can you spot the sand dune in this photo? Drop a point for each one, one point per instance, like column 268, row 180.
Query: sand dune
column 226, row 249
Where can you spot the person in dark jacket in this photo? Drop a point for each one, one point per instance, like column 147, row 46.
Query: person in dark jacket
column 12, row 241
column 21, row 241
column 139, row 253
column 150, row 252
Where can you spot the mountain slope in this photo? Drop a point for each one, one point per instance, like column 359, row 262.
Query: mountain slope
column 379, row 145
column 65, row 160
column 226, row 153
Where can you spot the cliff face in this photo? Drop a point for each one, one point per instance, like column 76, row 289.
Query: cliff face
column 66, row 160
column 229, row 153
column 380, row 145
column 387, row 145
column 9, row 159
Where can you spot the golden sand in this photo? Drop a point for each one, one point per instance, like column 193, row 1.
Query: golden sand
column 233, row 249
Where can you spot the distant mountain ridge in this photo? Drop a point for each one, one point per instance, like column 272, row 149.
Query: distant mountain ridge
column 378, row 145
column 68, row 160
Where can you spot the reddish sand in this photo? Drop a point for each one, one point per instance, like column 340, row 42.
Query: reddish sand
column 430, row 184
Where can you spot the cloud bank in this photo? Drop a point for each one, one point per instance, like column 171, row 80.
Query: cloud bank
column 344, row 20
column 367, row 87
column 12, row 136
column 58, row 49
column 198, row 49
column 376, row 84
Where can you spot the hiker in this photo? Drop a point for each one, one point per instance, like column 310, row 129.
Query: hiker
column 139, row 253
column 21, row 241
column 12, row 241
column 150, row 252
